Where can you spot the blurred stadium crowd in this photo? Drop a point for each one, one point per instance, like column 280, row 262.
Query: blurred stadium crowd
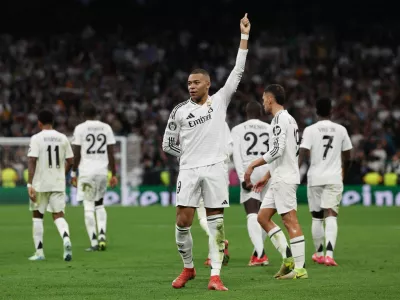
column 136, row 83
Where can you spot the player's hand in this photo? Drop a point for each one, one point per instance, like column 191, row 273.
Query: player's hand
column 259, row 186
column 245, row 25
column 247, row 175
column 32, row 193
column 113, row 181
column 246, row 187
column 74, row 181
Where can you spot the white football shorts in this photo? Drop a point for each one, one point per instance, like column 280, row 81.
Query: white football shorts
column 209, row 182
column 91, row 188
column 53, row 202
column 281, row 196
column 324, row 197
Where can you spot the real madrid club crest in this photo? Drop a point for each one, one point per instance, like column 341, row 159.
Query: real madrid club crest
column 209, row 102
column 172, row 126
column 276, row 130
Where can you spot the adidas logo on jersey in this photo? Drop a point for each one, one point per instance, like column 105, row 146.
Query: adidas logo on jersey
column 224, row 202
column 190, row 116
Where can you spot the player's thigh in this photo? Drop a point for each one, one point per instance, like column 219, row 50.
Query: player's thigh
column 188, row 191
column 42, row 201
column 215, row 185
column 332, row 196
column 100, row 185
column 285, row 197
column 314, row 194
column 56, row 202
column 252, row 206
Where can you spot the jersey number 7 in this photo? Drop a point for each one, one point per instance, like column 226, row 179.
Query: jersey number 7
column 327, row 145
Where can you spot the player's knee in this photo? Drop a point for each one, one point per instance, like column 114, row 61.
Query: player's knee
column 58, row 215
column 98, row 202
column 37, row 214
column 329, row 213
column 183, row 221
column 317, row 214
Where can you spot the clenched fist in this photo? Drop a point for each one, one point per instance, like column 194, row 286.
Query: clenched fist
column 245, row 25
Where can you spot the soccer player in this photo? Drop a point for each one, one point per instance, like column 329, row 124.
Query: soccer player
column 250, row 139
column 93, row 146
column 281, row 194
column 201, row 210
column 198, row 124
column 49, row 159
column 329, row 146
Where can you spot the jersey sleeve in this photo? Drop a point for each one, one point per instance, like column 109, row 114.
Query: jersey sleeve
column 76, row 138
column 68, row 149
column 306, row 139
column 279, row 133
column 234, row 78
column 33, row 148
column 171, row 135
column 237, row 155
column 346, row 144
column 110, row 136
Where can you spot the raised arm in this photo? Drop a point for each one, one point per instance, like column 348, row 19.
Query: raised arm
column 235, row 76
column 171, row 135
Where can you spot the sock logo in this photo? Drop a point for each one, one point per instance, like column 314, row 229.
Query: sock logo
column 224, row 202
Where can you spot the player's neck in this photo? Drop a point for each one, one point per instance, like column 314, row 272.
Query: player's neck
column 276, row 109
column 47, row 127
column 324, row 118
column 203, row 100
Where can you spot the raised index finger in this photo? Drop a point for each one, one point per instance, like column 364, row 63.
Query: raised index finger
column 245, row 15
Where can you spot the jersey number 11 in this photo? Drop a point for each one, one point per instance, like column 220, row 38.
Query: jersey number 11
column 57, row 152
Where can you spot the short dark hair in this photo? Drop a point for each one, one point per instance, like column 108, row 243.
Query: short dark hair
column 254, row 109
column 200, row 71
column 89, row 110
column 324, row 107
column 278, row 91
column 46, row 117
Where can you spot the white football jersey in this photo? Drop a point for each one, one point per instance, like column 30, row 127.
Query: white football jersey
column 326, row 140
column 93, row 136
column 283, row 154
column 51, row 148
column 250, row 140
column 201, row 129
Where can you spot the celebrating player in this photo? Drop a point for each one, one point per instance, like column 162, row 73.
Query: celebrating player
column 198, row 124
column 250, row 139
column 93, row 145
column 329, row 145
column 49, row 158
column 281, row 195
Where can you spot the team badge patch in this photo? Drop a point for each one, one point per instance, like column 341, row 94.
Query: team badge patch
column 277, row 130
column 172, row 126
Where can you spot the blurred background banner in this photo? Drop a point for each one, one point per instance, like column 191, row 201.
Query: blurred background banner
column 159, row 195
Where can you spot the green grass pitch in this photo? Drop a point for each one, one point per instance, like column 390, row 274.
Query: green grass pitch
column 142, row 259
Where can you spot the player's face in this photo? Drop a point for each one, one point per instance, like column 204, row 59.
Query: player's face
column 267, row 102
column 198, row 86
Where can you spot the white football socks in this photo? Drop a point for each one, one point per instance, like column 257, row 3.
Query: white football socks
column 184, row 243
column 278, row 239
column 317, row 230
column 101, row 216
column 331, row 230
column 297, row 245
column 90, row 222
column 216, row 242
column 255, row 233
column 37, row 229
column 63, row 229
